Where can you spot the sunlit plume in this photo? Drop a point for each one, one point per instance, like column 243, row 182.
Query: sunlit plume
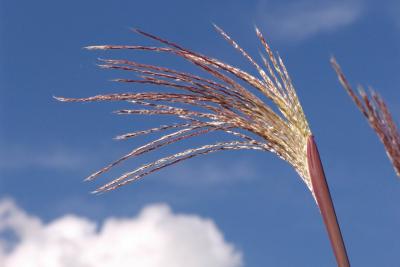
column 231, row 101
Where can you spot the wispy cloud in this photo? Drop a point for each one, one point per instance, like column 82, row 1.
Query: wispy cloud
column 209, row 173
column 20, row 157
column 156, row 237
column 299, row 20
column 392, row 9
column 189, row 174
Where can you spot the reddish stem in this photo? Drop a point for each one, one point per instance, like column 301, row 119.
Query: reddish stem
column 324, row 200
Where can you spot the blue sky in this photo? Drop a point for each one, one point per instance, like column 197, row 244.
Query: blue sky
column 255, row 200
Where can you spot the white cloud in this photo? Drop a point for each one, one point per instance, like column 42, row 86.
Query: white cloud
column 299, row 20
column 156, row 237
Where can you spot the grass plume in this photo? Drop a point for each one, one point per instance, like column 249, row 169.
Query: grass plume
column 375, row 110
column 220, row 104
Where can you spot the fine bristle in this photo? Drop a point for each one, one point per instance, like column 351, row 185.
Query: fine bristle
column 96, row 47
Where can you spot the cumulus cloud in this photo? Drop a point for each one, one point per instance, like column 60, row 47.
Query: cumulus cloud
column 156, row 237
column 299, row 20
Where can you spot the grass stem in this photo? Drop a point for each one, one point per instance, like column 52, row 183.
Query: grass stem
column 324, row 200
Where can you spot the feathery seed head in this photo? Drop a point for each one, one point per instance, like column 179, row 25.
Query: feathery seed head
column 378, row 115
column 220, row 104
